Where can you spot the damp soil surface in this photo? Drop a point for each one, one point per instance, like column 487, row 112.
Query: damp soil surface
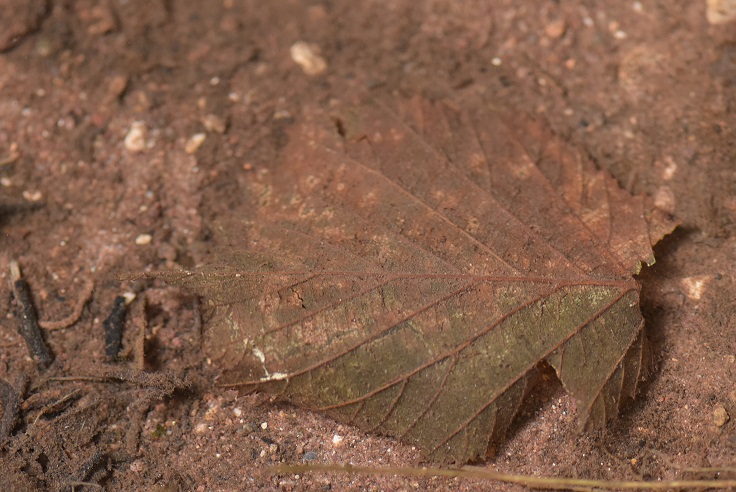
column 127, row 128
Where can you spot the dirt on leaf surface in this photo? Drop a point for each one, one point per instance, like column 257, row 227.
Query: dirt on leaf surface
column 129, row 129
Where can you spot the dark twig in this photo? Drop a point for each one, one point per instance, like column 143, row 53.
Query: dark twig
column 11, row 398
column 29, row 329
column 113, row 327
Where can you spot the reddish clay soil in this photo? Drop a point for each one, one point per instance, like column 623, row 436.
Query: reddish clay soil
column 645, row 89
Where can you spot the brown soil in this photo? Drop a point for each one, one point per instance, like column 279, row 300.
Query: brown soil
column 646, row 89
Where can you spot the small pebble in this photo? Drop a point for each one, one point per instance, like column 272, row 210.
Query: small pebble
column 337, row 440
column 194, row 143
column 307, row 56
column 720, row 415
column 129, row 297
column 135, row 140
column 664, row 199
column 213, row 123
column 143, row 239
column 138, row 466
column 694, row 286
column 720, row 11
column 310, row 456
column 32, row 196
column 555, row 29
column 116, row 86
column 264, row 425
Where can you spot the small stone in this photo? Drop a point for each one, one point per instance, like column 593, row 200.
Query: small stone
column 555, row 29
column 138, row 466
column 135, row 140
column 237, row 412
column 664, row 199
column 310, row 456
column 194, row 143
column 103, row 20
column 213, row 123
column 307, row 56
column 143, row 239
column 337, row 440
column 264, row 425
column 694, row 286
column 116, row 86
column 720, row 415
column 720, row 11
column 32, row 196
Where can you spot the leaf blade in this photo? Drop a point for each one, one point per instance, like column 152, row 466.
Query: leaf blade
column 411, row 279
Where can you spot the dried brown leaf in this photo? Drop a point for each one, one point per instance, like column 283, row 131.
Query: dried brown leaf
column 406, row 270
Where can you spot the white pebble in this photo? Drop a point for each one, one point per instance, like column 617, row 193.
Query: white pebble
column 337, row 440
column 307, row 56
column 135, row 140
column 32, row 196
column 143, row 239
column 670, row 168
column 194, row 143
column 694, row 286
column 264, row 425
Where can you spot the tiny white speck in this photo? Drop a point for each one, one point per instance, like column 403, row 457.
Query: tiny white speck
column 143, row 239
